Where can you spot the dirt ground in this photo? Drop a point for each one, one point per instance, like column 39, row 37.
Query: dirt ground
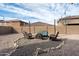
column 29, row 49
column 7, row 41
column 70, row 48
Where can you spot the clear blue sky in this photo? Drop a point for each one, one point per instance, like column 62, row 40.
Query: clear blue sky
column 45, row 12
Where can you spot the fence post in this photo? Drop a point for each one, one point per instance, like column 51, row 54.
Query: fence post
column 29, row 27
column 34, row 28
column 65, row 27
column 54, row 26
column 47, row 28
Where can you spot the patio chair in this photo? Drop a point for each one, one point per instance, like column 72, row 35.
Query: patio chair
column 24, row 34
column 27, row 35
column 54, row 37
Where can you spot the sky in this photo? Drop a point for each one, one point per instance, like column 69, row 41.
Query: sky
column 34, row 12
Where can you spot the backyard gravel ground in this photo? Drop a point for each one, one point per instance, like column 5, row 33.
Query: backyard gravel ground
column 29, row 49
column 7, row 42
column 70, row 48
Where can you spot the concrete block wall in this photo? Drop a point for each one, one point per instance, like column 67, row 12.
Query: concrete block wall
column 74, row 29
column 71, row 29
column 61, row 29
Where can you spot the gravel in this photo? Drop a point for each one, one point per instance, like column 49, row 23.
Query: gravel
column 28, row 50
column 70, row 48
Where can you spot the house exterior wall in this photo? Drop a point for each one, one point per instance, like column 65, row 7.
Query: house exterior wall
column 72, row 21
column 69, row 21
column 73, row 29
column 68, row 29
